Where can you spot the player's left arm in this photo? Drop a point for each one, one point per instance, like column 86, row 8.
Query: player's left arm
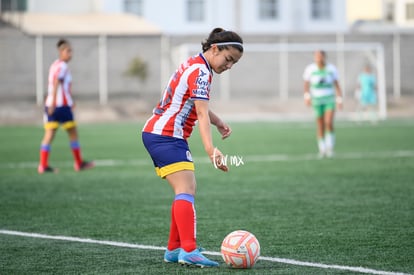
column 338, row 92
column 339, row 98
column 205, row 133
column 306, row 94
column 56, row 83
column 223, row 128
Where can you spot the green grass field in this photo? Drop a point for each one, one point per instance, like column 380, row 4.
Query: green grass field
column 356, row 210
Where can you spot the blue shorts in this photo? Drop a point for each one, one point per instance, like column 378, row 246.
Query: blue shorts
column 61, row 115
column 169, row 154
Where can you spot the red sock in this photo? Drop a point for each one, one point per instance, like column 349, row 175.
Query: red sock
column 174, row 239
column 77, row 156
column 76, row 151
column 44, row 155
column 185, row 217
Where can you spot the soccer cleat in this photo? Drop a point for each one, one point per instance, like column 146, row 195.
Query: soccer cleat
column 195, row 258
column 171, row 256
column 41, row 169
column 321, row 154
column 85, row 165
column 330, row 154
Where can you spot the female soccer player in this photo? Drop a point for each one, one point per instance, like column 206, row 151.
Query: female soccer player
column 58, row 111
column 323, row 92
column 367, row 86
column 165, row 134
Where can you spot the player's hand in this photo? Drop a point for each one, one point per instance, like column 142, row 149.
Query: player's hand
column 339, row 102
column 308, row 98
column 50, row 110
column 218, row 160
column 224, row 130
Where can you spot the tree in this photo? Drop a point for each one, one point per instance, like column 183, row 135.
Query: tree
column 137, row 68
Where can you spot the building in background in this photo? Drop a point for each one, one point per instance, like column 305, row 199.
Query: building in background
column 281, row 35
column 177, row 17
column 404, row 13
column 365, row 10
column 246, row 16
column 377, row 13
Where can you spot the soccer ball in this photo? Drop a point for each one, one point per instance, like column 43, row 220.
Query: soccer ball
column 240, row 249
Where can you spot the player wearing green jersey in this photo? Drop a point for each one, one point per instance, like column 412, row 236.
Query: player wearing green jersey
column 323, row 93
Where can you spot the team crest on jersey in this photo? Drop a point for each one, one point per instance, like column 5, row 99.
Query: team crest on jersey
column 189, row 157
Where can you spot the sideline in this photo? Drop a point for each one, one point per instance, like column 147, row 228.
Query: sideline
column 150, row 247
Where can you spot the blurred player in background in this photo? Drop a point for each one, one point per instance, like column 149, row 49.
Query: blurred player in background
column 366, row 94
column 58, row 111
column 165, row 134
column 322, row 91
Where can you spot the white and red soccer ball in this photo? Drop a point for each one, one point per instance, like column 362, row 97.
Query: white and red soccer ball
column 240, row 249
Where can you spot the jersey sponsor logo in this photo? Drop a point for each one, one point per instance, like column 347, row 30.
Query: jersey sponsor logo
column 202, row 73
column 202, row 83
column 322, row 80
column 200, row 93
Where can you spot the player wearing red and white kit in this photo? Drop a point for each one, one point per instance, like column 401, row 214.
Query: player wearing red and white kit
column 58, row 111
column 185, row 101
column 59, row 70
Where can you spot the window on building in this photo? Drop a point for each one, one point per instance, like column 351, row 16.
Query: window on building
column 268, row 9
column 13, row 5
column 134, row 7
column 409, row 11
column 389, row 11
column 195, row 10
column 321, row 9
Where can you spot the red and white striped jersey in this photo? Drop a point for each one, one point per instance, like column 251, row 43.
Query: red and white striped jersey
column 175, row 114
column 60, row 70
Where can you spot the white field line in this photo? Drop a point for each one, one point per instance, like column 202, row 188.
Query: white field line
column 246, row 159
column 150, row 247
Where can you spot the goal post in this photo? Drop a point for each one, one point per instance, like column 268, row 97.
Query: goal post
column 274, row 70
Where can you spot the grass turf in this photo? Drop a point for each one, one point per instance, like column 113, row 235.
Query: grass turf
column 353, row 210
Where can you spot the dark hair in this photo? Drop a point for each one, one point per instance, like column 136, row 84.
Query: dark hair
column 62, row 42
column 219, row 35
column 322, row 52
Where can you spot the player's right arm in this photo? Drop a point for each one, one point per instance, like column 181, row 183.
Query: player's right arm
column 306, row 93
column 52, row 107
column 338, row 90
column 306, row 86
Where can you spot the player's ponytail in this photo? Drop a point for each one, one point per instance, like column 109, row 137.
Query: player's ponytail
column 223, row 39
